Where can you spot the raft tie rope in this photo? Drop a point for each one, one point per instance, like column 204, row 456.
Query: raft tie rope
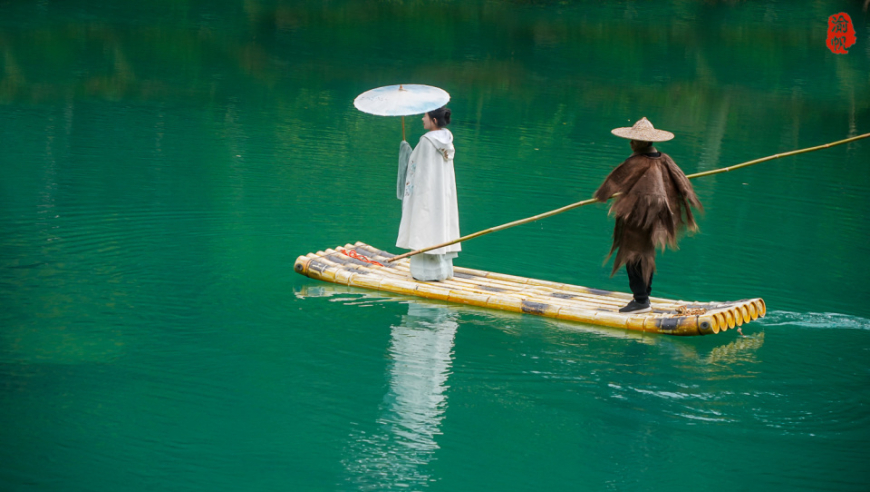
column 353, row 254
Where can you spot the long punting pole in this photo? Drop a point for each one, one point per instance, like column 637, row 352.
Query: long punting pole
column 593, row 200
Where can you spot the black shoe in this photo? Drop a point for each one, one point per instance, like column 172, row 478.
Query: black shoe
column 636, row 307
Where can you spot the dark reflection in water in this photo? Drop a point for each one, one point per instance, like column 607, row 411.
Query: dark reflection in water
column 705, row 60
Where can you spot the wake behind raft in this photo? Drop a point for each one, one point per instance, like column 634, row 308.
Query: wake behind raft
column 361, row 265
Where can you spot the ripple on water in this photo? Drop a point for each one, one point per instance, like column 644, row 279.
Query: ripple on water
column 822, row 321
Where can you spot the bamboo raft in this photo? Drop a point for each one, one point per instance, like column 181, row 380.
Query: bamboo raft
column 361, row 265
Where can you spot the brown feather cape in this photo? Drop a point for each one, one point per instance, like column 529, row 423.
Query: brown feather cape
column 653, row 206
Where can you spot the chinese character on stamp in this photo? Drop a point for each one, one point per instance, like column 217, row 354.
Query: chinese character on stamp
column 841, row 33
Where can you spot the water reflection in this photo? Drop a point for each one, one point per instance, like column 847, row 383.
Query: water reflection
column 395, row 451
column 727, row 351
column 403, row 442
column 743, row 349
column 694, row 354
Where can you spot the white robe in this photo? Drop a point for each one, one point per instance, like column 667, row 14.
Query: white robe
column 430, row 214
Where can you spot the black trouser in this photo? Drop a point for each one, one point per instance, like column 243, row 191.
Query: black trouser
column 639, row 288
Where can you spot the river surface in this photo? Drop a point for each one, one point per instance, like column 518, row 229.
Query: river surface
column 165, row 162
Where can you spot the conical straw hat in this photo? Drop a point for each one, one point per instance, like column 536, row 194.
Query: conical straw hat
column 643, row 131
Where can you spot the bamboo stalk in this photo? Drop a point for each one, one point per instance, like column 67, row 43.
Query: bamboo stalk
column 762, row 309
column 738, row 316
column 593, row 200
column 721, row 321
column 729, row 319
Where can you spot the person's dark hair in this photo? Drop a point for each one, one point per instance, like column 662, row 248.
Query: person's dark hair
column 441, row 116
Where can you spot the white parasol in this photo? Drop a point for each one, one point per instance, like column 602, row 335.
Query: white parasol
column 401, row 100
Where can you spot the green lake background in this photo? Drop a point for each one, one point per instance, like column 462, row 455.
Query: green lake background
column 165, row 162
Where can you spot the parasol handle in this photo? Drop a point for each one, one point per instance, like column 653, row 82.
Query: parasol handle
column 403, row 128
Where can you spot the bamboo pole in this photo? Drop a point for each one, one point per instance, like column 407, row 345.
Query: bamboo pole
column 498, row 228
column 777, row 156
column 593, row 200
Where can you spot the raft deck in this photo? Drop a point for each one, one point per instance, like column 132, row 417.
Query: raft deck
column 361, row 265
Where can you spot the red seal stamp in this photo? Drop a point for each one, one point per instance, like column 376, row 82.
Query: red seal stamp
column 841, row 33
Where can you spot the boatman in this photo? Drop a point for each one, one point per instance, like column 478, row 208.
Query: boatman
column 652, row 208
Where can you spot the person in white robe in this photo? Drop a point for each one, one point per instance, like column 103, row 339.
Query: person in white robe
column 427, row 187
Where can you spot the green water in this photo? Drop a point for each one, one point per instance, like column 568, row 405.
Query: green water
column 165, row 162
